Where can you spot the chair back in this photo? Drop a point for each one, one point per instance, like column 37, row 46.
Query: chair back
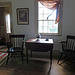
column 17, row 40
column 70, row 42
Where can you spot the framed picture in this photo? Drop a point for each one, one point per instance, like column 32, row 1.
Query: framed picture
column 22, row 16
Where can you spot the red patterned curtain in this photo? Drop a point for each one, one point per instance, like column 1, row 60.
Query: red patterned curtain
column 52, row 4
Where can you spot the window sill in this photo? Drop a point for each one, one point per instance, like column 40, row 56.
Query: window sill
column 50, row 34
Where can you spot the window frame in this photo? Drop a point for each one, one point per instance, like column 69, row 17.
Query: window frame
column 36, row 19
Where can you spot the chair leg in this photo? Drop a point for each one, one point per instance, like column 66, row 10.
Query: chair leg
column 7, row 58
column 60, row 58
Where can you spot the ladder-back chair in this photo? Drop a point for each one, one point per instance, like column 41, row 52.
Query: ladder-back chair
column 68, row 48
column 15, row 45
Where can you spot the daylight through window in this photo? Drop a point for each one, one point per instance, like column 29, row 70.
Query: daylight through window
column 46, row 20
column 8, row 29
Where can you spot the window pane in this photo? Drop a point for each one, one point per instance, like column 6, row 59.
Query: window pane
column 47, row 27
column 46, row 20
column 41, row 10
column 53, row 15
column 40, row 5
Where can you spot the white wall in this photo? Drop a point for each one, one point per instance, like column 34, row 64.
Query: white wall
column 68, row 26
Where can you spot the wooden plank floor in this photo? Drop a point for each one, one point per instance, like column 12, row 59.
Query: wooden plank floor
column 33, row 68
column 66, row 68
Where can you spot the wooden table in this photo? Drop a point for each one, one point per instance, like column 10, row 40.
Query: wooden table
column 39, row 46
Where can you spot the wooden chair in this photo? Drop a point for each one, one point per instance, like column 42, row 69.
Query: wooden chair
column 68, row 49
column 15, row 45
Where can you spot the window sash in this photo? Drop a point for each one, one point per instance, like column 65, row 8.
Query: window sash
column 46, row 33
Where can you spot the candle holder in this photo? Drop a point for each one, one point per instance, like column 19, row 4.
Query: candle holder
column 38, row 36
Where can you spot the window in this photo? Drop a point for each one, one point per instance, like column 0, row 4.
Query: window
column 8, row 28
column 46, row 21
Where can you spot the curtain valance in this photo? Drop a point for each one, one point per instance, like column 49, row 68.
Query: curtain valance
column 52, row 4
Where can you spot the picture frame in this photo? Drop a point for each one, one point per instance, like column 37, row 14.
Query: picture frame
column 22, row 16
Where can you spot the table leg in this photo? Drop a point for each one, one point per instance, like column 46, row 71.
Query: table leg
column 50, row 59
column 31, row 53
column 50, row 63
column 27, row 55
